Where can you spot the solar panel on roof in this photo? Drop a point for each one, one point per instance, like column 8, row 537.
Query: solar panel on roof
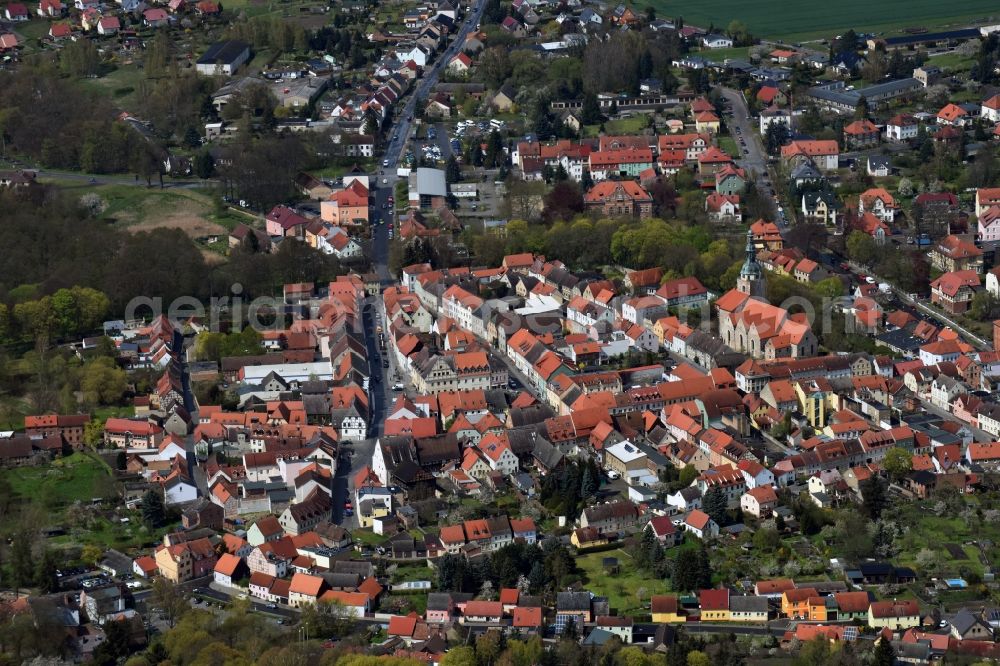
column 850, row 633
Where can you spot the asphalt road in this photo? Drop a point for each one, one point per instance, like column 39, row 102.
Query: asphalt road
column 219, row 595
column 755, row 160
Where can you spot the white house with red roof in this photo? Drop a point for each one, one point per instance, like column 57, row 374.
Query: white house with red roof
column 954, row 291
column 108, row 25
column 701, row 525
column 460, row 64
column 16, row 11
column 759, row 502
column 665, row 531
column 952, row 115
column 880, row 203
column 50, row 8
column 990, row 109
column 723, row 207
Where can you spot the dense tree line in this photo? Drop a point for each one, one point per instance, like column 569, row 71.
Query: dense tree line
column 568, row 490
column 585, row 243
column 75, row 247
column 534, row 569
column 51, row 119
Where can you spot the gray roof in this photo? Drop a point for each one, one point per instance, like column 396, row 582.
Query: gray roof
column 573, row 601
column 431, row 182
column 964, row 621
column 748, row 604
column 223, row 52
column 438, row 601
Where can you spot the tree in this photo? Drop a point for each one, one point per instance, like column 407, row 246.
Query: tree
column 898, row 462
column 153, row 510
column 170, row 599
column 460, row 656
column 716, row 505
column 873, row 496
column 103, row 383
column 590, row 112
column 885, row 654
column 45, row 572
column 563, row 202
column 861, row 110
column 93, row 432
column 692, row 570
column 204, row 164
column 452, row 172
column 861, row 248
column 775, row 137
column 687, row 476
column 698, row 658
column 831, row 287
column 495, row 66
column 117, row 637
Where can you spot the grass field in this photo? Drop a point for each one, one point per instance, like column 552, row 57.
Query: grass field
column 144, row 208
column 632, row 125
column 718, row 55
column 800, row 19
column 120, row 86
column 621, row 588
column 66, row 480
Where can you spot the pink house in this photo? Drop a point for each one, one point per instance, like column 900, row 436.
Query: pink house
column 440, row 608
column 283, row 221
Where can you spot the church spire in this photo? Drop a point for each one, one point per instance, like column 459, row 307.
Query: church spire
column 751, row 279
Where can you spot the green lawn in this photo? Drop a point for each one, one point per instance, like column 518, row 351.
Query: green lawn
column 120, row 86
column 633, row 125
column 718, row 55
column 411, row 572
column 953, row 61
column 105, row 413
column 801, row 19
column 727, row 144
column 367, row 537
column 621, row 588
column 76, row 477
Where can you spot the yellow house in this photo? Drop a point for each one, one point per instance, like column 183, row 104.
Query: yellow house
column 895, row 614
column 175, row 563
column 372, row 503
column 706, row 122
column 366, row 519
column 665, row 608
column 587, row 537
column 714, row 605
column 814, row 398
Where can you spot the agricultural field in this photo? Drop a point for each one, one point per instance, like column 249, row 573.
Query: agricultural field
column 801, row 20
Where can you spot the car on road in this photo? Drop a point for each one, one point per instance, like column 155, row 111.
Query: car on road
column 272, row 605
column 385, row 163
column 385, row 364
column 397, row 386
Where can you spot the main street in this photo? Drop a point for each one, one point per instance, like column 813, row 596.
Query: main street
column 400, row 135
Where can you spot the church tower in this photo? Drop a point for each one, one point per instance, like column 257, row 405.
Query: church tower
column 751, row 279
